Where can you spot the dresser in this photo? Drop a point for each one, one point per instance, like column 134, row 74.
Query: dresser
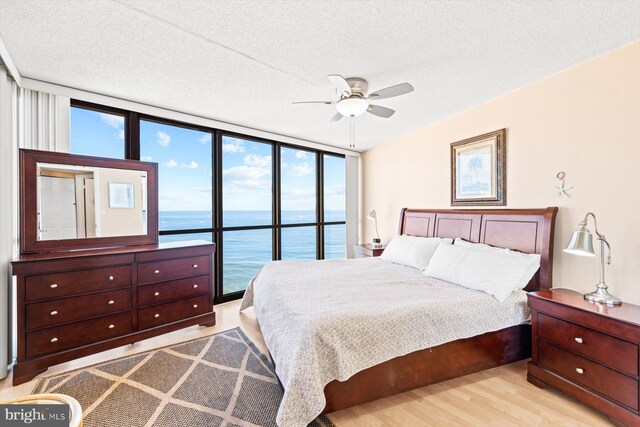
column 587, row 350
column 75, row 303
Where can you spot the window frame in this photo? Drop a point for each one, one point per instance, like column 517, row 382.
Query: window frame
column 132, row 151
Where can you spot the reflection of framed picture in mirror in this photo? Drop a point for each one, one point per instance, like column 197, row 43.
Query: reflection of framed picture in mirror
column 121, row 196
column 478, row 170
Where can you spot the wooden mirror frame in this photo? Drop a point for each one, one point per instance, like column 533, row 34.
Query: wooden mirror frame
column 29, row 242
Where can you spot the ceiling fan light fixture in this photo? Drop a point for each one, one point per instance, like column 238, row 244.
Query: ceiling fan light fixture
column 352, row 107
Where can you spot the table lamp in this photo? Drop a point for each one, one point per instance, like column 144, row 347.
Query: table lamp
column 376, row 240
column 581, row 243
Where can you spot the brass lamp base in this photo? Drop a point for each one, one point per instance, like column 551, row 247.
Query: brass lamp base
column 603, row 296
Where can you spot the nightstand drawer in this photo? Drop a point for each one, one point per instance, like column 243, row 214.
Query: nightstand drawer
column 615, row 353
column 610, row 383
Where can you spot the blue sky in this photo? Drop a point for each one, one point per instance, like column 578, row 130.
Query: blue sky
column 185, row 167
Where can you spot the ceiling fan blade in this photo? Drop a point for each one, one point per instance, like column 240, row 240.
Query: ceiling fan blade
column 339, row 83
column 313, row 102
column 380, row 111
column 335, row 118
column 392, row 91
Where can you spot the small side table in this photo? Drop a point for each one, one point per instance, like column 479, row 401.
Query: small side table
column 367, row 250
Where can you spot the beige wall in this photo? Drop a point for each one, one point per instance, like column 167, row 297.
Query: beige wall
column 584, row 121
column 119, row 222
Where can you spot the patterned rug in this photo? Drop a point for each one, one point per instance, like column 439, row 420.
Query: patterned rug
column 220, row 380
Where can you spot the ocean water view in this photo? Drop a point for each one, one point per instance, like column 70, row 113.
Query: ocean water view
column 245, row 251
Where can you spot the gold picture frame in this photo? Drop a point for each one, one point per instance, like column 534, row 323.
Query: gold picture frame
column 478, row 170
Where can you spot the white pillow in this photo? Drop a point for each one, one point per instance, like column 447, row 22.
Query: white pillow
column 467, row 244
column 497, row 273
column 412, row 251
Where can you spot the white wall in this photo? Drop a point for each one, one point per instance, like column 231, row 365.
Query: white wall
column 584, row 121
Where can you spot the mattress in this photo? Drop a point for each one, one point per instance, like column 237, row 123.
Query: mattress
column 327, row 320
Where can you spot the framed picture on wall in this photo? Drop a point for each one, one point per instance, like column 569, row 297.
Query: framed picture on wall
column 478, row 170
column 121, row 196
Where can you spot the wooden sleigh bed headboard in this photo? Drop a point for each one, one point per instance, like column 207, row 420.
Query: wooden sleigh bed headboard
column 524, row 230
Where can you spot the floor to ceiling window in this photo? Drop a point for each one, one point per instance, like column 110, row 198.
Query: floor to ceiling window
column 258, row 200
column 184, row 157
column 247, row 210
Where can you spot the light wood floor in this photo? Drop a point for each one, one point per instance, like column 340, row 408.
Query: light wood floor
column 497, row 397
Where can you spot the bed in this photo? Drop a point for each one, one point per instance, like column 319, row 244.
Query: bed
column 348, row 332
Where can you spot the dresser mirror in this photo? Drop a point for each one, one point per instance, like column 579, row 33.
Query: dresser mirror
column 80, row 202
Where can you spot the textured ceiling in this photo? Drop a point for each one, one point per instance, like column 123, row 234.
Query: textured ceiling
column 244, row 62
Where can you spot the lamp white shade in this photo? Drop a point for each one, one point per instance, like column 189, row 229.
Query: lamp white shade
column 581, row 243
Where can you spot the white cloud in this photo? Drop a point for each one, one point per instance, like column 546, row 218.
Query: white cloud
column 301, row 154
column 192, row 165
column 202, row 189
column 205, row 139
column 146, row 158
column 298, row 192
column 248, row 176
column 283, row 165
column 121, row 134
column 116, row 122
column 171, row 164
column 163, row 139
column 257, row 160
column 334, row 191
column 245, row 172
column 233, row 146
column 300, row 169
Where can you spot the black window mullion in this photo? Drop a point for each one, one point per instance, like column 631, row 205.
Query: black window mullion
column 320, row 205
column 218, row 216
column 132, row 135
column 277, row 202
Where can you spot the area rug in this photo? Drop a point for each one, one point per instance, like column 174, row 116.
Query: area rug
column 220, row 380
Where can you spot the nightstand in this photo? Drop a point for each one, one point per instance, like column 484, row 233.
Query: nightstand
column 367, row 250
column 587, row 350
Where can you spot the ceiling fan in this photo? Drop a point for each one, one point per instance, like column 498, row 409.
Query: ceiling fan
column 354, row 99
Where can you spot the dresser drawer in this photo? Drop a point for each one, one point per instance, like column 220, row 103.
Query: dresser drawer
column 615, row 353
column 159, row 271
column 59, row 338
column 173, row 290
column 56, row 285
column 77, row 308
column 608, row 382
column 171, row 312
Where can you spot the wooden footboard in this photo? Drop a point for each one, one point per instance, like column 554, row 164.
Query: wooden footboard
column 430, row 366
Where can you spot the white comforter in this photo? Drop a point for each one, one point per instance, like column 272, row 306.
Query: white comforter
column 327, row 320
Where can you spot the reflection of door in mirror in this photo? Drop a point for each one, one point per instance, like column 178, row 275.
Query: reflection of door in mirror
column 58, row 208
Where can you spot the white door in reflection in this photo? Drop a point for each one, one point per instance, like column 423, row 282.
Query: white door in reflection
column 57, row 208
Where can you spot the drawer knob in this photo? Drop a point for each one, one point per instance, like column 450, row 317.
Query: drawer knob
column 195, row 265
column 580, row 371
column 195, row 286
column 112, row 326
column 579, row 340
column 156, row 294
column 54, row 339
column 156, row 315
column 156, row 271
column 111, row 302
column 53, row 313
column 55, row 285
column 111, row 278
column 195, row 305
